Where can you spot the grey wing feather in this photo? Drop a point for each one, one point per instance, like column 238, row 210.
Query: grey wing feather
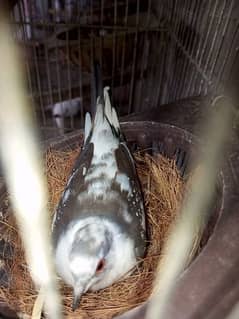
column 125, row 162
column 75, row 185
column 126, row 165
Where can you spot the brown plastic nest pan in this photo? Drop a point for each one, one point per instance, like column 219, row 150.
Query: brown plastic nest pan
column 152, row 138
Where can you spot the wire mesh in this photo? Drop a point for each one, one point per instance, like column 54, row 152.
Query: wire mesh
column 151, row 52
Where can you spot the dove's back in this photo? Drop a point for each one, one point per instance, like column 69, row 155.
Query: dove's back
column 104, row 183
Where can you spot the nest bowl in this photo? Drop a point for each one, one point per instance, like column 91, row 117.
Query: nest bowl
column 155, row 147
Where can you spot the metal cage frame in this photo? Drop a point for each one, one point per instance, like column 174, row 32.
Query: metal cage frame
column 151, row 52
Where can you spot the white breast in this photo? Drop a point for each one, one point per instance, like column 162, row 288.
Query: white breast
column 120, row 260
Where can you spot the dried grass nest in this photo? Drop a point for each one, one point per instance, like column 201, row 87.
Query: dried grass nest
column 163, row 191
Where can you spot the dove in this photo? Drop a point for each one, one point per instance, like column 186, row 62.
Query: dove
column 99, row 226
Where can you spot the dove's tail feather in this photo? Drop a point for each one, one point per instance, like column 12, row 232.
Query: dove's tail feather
column 110, row 112
column 88, row 126
column 105, row 116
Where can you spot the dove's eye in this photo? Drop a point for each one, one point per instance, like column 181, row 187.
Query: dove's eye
column 100, row 266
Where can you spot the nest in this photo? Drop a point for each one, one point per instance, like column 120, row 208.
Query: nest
column 163, row 191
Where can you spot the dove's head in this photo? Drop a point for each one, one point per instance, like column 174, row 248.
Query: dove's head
column 89, row 258
column 92, row 254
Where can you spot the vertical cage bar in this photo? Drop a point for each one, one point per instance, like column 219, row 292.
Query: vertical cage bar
column 187, row 69
column 113, row 51
column 222, row 43
column 195, row 45
column 132, row 82
column 92, row 57
column 176, row 30
column 27, row 19
column 162, row 56
column 57, row 61
column 185, row 62
column 224, row 62
column 36, row 63
column 163, row 76
column 48, row 72
column 101, row 37
column 25, row 38
column 169, row 51
column 176, row 27
column 144, row 59
column 235, row 60
column 172, row 67
column 124, row 43
column 173, row 27
column 162, row 70
column 212, row 48
column 154, row 71
column 204, row 12
column 200, row 47
column 69, row 75
column 206, row 39
column 80, row 67
column 31, row 213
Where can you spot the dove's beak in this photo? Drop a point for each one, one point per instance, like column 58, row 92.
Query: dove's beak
column 76, row 302
column 77, row 294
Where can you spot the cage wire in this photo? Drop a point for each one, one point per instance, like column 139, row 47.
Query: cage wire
column 151, row 52
column 24, row 176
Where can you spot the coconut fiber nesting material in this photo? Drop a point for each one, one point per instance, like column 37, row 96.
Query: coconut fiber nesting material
column 163, row 191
